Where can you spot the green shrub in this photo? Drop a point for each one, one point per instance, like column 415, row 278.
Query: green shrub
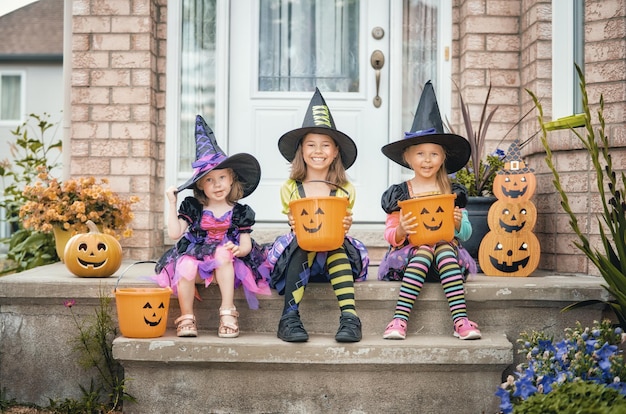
column 575, row 397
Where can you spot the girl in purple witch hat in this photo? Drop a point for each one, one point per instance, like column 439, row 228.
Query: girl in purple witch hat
column 213, row 233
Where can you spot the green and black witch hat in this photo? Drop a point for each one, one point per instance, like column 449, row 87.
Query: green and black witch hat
column 318, row 119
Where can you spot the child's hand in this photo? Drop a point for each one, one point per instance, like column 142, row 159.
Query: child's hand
column 233, row 248
column 347, row 223
column 171, row 194
column 408, row 223
column 458, row 216
column 292, row 222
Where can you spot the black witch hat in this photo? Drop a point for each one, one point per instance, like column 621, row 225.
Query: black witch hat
column 428, row 128
column 318, row 120
column 209, row 157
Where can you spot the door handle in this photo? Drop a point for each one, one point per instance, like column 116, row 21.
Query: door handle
column 378, row 61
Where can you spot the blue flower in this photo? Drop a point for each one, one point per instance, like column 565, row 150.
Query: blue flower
column 524, row 386
column 505, row 400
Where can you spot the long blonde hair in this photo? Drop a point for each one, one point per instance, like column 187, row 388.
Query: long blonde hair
column 336, row 171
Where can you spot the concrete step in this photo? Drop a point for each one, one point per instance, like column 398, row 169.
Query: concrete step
column 258, row 373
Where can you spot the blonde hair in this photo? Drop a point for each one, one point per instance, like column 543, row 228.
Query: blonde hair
column 336, row 171
column 235, row 194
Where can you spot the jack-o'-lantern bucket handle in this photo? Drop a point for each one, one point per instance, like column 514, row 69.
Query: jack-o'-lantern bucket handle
column 299, row 186
column 136, row 263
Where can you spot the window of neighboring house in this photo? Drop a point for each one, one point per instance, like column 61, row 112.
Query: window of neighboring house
column 567, row 49
column 192, row 72
column 11, row 97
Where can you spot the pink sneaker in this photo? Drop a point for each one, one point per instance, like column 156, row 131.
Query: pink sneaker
column 466, row 329
column 396, row 329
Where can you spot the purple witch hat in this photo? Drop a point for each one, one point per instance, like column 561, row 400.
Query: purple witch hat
column 209, row 157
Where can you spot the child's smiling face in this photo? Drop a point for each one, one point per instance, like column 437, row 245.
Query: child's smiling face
column 425, row 159
column 319, row 151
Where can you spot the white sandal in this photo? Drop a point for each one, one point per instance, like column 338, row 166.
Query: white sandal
column 186, row 326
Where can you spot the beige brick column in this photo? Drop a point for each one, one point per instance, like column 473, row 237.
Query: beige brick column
column 486, row 49
column 117, row 101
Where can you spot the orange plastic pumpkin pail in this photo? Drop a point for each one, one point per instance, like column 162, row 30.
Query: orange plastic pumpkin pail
column 142, row 312
column 319, row 222
column 435, row 217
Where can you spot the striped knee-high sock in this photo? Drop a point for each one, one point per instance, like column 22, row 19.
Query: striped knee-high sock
column 412, row 282
column 296, row 272
column 341, row 279
column 451, row 279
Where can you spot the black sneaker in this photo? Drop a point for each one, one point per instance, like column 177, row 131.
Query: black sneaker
column 290, row 328
column 349, row 328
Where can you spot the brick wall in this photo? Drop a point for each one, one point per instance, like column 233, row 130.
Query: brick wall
column 509, row 43
column 117, row 98
column 118, row 103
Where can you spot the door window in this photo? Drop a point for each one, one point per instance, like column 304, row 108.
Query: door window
column 304, row 44
column 419, row 52
column 197, row 73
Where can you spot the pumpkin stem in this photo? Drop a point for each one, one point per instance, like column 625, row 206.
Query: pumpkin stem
column 92, row 227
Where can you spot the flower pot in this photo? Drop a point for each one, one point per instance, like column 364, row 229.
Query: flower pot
column 477, row 209
column 61, row 237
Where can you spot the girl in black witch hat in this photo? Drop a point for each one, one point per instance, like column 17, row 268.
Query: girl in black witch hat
column 214, row 231
column 319, row 156
column 432, row 155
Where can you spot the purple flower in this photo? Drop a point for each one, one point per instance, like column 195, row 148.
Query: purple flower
column 68, row 303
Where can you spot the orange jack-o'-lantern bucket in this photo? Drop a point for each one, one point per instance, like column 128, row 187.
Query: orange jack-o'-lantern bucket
column 319, row 221
column 435, row 218
column 142, row 311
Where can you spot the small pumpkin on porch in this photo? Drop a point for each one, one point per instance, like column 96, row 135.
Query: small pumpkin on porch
column 93, row 254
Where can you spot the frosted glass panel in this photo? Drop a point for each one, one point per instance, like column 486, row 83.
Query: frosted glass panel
column 197, row 88
column 303, row 44
column 419, row 52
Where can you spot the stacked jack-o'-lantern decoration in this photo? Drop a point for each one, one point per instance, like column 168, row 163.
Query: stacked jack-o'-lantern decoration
column 510, row 248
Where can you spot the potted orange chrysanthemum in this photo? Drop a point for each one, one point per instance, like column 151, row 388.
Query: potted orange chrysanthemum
column 65, row 206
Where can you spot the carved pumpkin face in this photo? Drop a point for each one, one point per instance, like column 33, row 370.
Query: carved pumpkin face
column 435, row 218
column 312, row 223
column 153, row 315
column 510, row 216
column 93, row 254
column 514, row 182
column 509, row 254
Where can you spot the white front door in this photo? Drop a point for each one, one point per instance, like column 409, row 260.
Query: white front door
column 280, row 50
column 271, row 84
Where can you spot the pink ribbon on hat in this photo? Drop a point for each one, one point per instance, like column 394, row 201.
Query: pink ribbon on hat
column 207, row 163
column 419, row 133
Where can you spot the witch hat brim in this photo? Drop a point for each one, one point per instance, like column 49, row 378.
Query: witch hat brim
column 428, row 128
column 318, row 120
column 245, row 166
